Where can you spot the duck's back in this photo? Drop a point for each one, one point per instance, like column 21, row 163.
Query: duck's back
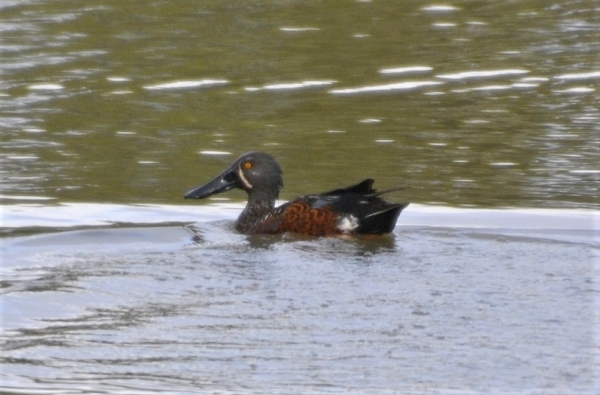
column 357, row 209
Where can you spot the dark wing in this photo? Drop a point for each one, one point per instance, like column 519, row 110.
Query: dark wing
column 361, row 201
column 382, row 219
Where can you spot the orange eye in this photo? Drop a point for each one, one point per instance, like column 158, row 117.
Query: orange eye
column 248, row 165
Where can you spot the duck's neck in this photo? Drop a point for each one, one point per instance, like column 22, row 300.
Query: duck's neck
column 260, row 204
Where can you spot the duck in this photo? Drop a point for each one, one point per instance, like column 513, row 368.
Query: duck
column 354, row 210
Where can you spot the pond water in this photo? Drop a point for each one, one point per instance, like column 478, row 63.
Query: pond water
column 491, row 301
column 485, row 104
column 487, row 111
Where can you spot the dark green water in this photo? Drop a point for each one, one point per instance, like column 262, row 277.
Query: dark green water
column 484, row 104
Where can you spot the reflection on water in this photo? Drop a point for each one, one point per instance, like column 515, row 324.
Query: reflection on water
column 487, row 105
column 171, row 308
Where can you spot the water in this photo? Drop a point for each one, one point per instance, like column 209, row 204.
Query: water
column 490, row 105
column 491, row 301
column 111, row 283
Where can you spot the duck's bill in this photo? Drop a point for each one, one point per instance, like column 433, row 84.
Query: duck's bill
column 222, row 183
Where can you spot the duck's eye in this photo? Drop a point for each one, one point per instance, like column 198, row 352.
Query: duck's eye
column 247, row 165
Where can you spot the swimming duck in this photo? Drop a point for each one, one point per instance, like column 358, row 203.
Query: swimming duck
column 357, row 209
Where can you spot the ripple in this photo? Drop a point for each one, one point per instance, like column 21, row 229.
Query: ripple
column 578, row 76
column 45, row 87
column 299, row 29
column 186, row 84
column 503, row 164
column 534, row 79
column 214, row 153
column 291, row 85
column 398, row 86
column 34, row 130
column 440, row 8
column 17, row 197
column 492, row 87
column 118, row 79
column 370, row 120
column 482, row 74
column 584, row 171
column 476, row 121
column 22, row 157
column 444, row 24
column 577, row 89
column 525, row 85
column 497, row 87
column 404, row 70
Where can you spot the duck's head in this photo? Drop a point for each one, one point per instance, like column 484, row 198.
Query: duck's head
column 257, row 173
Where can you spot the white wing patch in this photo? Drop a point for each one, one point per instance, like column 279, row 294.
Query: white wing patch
column 347, row 224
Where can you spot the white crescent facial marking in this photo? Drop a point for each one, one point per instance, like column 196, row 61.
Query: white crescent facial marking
column 243, row 178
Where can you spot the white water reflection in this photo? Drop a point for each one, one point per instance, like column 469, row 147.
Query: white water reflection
column 217, row 153
column 482, row 74
column 186, row 84
column 299, row 29
column 497, row 87
column 582, row 171
column 74, row 215
column 577, row 89
column 398, row 86
column 579, row 76
column 440, row 8
column 45, row 87
column 159, row 309
column 24, row 198
column 118, row 79
column 291, row 85
column 406, row 70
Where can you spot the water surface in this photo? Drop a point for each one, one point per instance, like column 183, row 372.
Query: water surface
column 475, row 104
column 487, row 301
column 488, row 111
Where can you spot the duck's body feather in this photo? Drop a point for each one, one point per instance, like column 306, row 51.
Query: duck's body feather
column 357, row 209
